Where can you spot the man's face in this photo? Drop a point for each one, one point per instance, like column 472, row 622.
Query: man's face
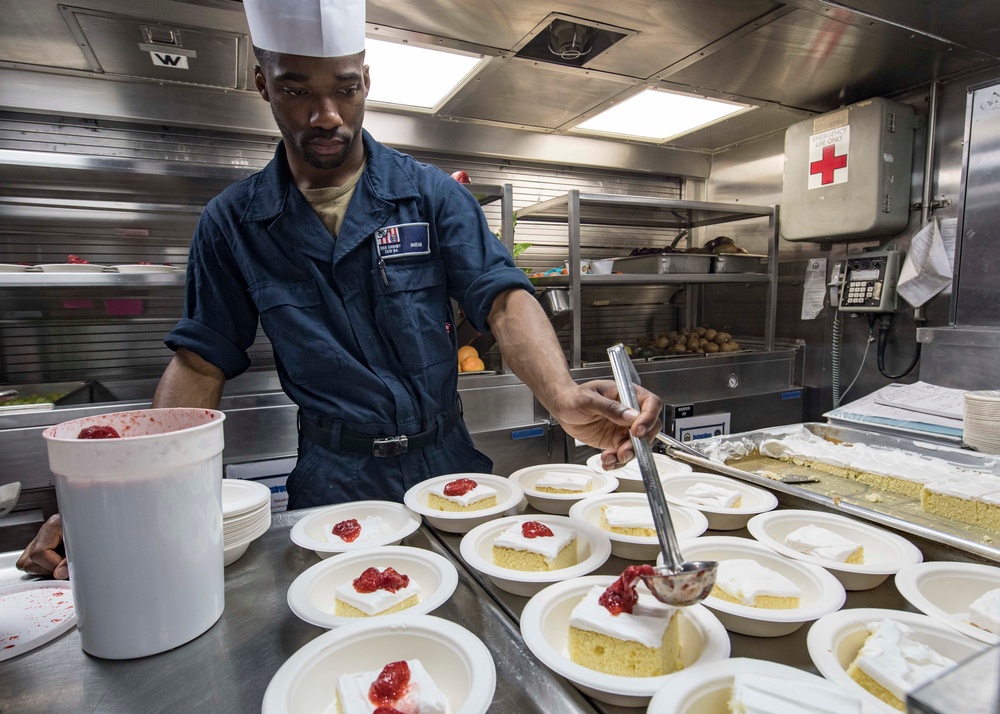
column 318, row 104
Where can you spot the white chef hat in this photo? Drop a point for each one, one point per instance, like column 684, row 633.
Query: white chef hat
column 315, row 28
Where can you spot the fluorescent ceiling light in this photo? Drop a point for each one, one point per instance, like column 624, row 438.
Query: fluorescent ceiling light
column 416, row 77
column 658, row 115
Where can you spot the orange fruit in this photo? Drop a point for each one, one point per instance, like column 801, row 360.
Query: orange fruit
column 465, row 352
column 473, row 364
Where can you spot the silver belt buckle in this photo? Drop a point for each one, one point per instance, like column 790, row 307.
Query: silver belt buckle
column 389, row 446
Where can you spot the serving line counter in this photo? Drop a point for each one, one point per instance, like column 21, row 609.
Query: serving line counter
column 228, row 668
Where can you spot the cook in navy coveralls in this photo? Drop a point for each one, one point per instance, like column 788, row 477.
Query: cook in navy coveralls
column 359, row 314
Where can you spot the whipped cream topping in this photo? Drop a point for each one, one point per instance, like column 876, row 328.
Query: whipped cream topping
column 861, row 457
column 705, row 494
column 821, row 542
column 422, row 695
column 628, row 516
column 375, row 602
column 970, row 487
column 566, row 480
column 480, row 492
column 984, row 612
column 547, row 546
column 747, row 579
column 371, row 528
column 645, row 624
column 764, row 694
column 895, row 660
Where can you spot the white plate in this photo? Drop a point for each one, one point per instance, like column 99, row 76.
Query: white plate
column 834, row 640
column 249, row 532
column 398, row 521
column 629, row 478
column 71, row 268
column 885, row 553
column 688, row 523
column 945, row 590
column 143, row 268
column 560, row 503
column 456, row 660
column 545, row 628
column 240, row 496
column 592, row 547
column 754, row 500
column 707, row 690
column 509, row 495
column 32, row 614
column 821, row 592
column 312, row 595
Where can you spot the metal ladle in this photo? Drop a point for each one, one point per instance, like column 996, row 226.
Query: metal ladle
column 675, row 582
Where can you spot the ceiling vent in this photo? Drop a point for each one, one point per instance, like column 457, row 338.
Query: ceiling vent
column 571, row 41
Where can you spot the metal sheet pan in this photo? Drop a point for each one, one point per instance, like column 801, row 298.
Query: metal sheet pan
column 902, row 513
column 665, row 263
column 737, row 263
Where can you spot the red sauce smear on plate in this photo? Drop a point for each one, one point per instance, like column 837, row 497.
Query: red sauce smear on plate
column 459, row 487
column 390, row 685
column 621, row 596
column 348, row 530
column 534, row 529
column 98, row 432
column 372, row 580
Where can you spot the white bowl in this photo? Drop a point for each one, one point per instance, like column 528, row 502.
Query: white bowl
column 629, row 478
column 945, row 590
column 821, row 592
column 688, row 523
column 753, row 500
column 885, row 553
column 71, row 268
column 13, row 268
column 560, row 503
column 509, row 495
column 398, row 521
column 248, row 530
column 592, row 547
column 545, row 628
column 141, row 268
column 240, row 496
column 456, row 659
column 707, row 690
column 232, row 553
column 312, row 597
column 834, row 640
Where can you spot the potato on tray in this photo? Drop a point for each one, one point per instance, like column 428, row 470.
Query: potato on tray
column 697, row 340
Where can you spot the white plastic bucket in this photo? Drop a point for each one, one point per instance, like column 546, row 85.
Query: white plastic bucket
column 142, row 524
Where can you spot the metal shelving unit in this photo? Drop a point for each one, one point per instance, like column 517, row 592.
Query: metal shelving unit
column 576, row 209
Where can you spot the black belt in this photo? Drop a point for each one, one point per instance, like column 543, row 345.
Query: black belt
column 380, row 446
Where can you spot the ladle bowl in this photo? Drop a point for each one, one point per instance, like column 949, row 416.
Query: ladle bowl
column 675, row 583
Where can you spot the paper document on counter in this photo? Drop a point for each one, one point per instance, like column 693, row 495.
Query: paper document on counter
column 923, row 398
column 868, row 410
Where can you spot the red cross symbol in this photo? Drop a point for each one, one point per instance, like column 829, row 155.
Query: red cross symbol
column 828, row 164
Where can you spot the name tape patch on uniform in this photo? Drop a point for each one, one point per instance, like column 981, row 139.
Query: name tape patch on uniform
column 403, row 240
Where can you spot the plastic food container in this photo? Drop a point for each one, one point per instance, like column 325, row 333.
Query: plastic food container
column 142, row 522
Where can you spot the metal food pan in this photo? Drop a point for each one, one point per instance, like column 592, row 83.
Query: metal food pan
column 665, row 263
column 850, row 497
column 737, row 263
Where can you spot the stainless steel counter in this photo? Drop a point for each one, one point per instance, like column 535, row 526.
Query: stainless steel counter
column 228, row 668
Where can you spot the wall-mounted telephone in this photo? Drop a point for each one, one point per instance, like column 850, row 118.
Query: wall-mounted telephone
column 870, row 282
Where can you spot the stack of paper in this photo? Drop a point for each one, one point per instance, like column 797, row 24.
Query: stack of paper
column 912, row 408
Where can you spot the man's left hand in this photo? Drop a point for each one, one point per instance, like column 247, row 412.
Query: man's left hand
column 592, row 413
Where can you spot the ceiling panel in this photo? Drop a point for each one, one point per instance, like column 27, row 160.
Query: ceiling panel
column 534, row 94
column 810, row 62
column 35, row 33
column 740, row 128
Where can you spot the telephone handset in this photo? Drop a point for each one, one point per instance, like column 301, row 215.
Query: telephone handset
column 869, row 283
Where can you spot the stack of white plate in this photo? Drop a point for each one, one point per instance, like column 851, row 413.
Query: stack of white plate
column 246, row 515
column 981, row 423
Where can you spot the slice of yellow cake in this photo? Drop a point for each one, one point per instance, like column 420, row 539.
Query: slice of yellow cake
column 628, row 520
column 891, row 663
column 747, row 582
column 565, row 481
column 375, row 593
column 637, row 637
column 403, row 686
column 706, row 494
column 534, row 546
column 463, row 494
column 824, row 543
